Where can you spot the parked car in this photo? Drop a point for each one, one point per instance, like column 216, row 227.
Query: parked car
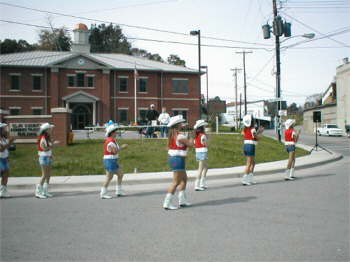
column 329, row 130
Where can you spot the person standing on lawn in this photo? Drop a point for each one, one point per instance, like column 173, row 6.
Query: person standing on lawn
column 177, row 145
column 251, row 137
column 201, row 147
column 110, row 160
column 164, row 119
column 291, row 138
column 45, row 144
column 5, row 143
column 152, row 114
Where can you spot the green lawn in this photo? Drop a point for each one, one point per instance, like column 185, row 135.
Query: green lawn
column 85, row 156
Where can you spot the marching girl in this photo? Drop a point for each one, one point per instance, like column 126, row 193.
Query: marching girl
column 201, row 147
column 45, row 145
column 110, row 160
column 5, row 143
column 291, row 138
column 177, row 144
column 251, row 136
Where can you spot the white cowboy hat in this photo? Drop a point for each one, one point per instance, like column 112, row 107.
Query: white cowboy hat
column 200, row 123
column 247, row 120
column 2, row 125
column 289, row 123
column 110, row 129
column 152, row 105
column 176, row 120
column 44, row 127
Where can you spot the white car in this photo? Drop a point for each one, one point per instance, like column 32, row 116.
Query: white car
column 329, row 130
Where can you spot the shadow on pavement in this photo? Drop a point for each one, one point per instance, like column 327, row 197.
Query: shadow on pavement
column 224, row 201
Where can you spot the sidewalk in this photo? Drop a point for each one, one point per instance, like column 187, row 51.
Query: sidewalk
column 314, row 159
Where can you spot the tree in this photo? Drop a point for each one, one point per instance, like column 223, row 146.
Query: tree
column 292, row 109
column 145, row 54
column 56, row 40
column 176, row 60
column 12, row 46
column 108, row 39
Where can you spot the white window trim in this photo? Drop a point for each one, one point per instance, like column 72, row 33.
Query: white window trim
column 70, row 75
column 179, row 93
column 15, row 107
column 36, row 74
column 180, row 109
column 143, row 77
column 15, row 74
column 142, row 92
column 123, row 76
column 123, row 108
column 36, row 107
column 38, row 91
column 82, row 72
column 90, row 75
column 76, row 87
column 186, row 79
column 142, row 108
column 14, row 90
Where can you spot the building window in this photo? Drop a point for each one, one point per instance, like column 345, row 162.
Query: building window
column 14, row 82
column 123, row 84
column 142, row 82
column 80, row 80
column 90, row 81
column 180, row 86
column 180, row 112
column 14, row 111
column 71, row 81
column 143, row 116
column 37, row 111
column 123, row 115
column 36, row 82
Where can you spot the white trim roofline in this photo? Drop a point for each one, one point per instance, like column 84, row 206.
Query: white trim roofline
column 80, row 93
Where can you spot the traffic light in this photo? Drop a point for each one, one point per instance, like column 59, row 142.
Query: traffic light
column 266, row 31
column 278, row 26
column 287, row 29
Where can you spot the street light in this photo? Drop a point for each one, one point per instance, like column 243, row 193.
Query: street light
column 307, row 35
column 206, row 72
column 198, row 33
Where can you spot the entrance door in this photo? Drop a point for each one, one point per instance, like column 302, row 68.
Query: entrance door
column 81, row 116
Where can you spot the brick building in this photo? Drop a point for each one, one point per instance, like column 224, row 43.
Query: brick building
column 96, row 87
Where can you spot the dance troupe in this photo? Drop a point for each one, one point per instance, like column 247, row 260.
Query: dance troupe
column 178, row 144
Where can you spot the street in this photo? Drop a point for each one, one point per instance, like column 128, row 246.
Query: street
column 305, row 219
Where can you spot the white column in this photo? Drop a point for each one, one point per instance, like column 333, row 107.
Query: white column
column 94, row 113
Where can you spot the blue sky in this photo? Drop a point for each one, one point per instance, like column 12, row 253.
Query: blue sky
column 304, row 71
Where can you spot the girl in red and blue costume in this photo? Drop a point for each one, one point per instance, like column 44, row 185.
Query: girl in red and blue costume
column 251, row 137
column 290, row 139
column 177, row 151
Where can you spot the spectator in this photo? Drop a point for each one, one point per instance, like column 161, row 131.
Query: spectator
column 164, row 119
column 151, row 115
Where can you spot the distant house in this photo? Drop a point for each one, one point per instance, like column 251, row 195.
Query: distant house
column 335, row 102
column 95, row 86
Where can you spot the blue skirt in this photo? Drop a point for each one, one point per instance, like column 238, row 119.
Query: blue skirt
column 177, row 163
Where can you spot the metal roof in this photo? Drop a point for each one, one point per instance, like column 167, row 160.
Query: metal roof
column 112, row 61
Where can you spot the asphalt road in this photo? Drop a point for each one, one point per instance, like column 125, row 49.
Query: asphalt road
column 302, row 220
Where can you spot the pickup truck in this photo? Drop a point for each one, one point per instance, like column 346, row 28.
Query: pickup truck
column 329, row 130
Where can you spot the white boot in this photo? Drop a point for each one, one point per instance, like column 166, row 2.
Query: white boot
column 168, row 205
column 119, row 191
column 203, row 183
column 245, row 180
column 39, row 192
column 288, row 175
column 197, row 186
column 46, row 190
column 183, row 199
column 292, row 173
column 103, row 193
column 251, row 179
column 3, row 192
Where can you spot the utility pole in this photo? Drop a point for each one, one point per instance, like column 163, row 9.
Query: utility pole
column 240, row 108
column 245, row 81
column 278, row 72
column 236, row 70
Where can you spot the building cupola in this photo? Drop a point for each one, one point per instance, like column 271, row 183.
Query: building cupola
column 81, row 39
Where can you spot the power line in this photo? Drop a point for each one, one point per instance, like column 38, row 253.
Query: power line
column 148, row 39
column 317, row 31
column 126, row 25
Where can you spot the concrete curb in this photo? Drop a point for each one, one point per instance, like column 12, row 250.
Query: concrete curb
column 315, row 159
